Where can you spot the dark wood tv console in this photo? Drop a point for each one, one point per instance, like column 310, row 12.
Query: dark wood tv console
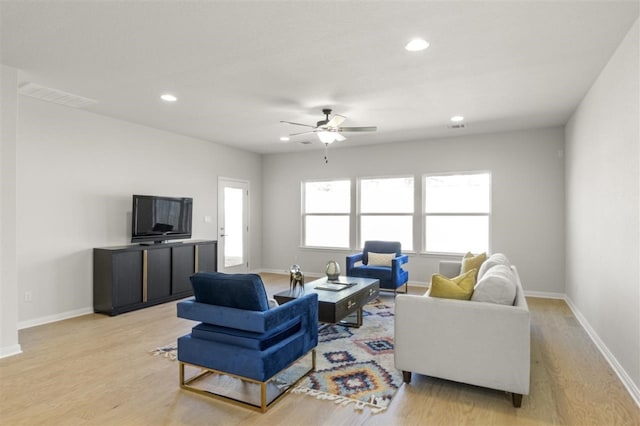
column 126, row 278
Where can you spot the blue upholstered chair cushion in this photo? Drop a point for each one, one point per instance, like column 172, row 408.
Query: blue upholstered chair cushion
column 241, row 291
column 391, row 277
column 247, row 339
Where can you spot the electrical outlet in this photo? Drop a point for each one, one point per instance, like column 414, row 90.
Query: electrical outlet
column 27, row 296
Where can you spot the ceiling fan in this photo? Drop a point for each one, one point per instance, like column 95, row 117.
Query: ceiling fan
column 329, row 130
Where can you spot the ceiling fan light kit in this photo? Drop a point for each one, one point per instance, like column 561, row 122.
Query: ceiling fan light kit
column 327, row 137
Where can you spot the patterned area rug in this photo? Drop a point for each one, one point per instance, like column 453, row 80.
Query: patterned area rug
column 168, row 351
column 354, row 366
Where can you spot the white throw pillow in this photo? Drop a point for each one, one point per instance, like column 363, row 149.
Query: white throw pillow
column 380, row 259
column 498, row 285
column 273, row 303
column 493, row 260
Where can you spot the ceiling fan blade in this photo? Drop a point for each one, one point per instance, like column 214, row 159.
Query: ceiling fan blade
column 358, row 129
column 297, row 124
column 302, row 133
column 335, row 121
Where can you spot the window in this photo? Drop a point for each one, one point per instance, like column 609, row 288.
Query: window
column 326, row 213
column 386, row 210
column 456, row 212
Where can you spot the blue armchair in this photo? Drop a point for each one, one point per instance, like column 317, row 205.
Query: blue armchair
column 240, row 336
column 381, row 260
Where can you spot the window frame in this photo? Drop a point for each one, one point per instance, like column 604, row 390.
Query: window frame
column 360, row 214
column 424, row 215
column 304, row 214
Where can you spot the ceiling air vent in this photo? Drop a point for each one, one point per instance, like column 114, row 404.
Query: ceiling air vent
column 54, row 95
column 456, row 126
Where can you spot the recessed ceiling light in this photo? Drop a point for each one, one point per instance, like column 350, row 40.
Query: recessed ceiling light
column 168, row 97
column 457, row 118
column 284, row 138
column 416, row 45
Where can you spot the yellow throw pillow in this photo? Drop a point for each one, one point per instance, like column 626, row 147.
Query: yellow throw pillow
column 469, row 262
column 460, row 287
column 380, row 259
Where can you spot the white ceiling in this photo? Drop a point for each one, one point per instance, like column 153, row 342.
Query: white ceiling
column 239, row 67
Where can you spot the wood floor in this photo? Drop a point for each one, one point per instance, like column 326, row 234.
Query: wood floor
column 97, row 370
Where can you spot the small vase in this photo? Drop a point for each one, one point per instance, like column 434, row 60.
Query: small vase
column 332, row 270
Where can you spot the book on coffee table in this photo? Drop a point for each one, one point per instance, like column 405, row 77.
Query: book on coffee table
column 334, row 286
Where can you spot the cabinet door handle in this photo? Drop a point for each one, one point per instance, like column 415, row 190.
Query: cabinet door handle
column 350, row 304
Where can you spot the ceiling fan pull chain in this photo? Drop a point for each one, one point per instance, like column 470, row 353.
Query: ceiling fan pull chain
column 326, row 158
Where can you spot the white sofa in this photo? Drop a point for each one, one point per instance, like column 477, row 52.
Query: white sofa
column 479, row 343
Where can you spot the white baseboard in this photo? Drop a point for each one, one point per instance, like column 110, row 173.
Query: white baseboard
column 53, row 318
column 271, row 271
column 628, row 383
column 10, row 351
column 545, row 295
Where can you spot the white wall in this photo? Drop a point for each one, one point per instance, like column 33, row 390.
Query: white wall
column 528, row 197
column 603, row 210
column 9, row 344
column 76, row 174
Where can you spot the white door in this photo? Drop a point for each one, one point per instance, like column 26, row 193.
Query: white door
column 233, row 225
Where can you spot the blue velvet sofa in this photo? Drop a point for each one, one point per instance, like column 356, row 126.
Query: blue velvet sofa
column 238, row 335
column 392, row 276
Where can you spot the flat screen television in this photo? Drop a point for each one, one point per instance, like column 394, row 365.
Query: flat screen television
column 158, row 219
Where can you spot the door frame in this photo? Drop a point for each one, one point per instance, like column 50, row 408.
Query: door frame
column 245, row 185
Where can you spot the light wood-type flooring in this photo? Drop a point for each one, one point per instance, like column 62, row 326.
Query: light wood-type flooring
column 97, row 370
